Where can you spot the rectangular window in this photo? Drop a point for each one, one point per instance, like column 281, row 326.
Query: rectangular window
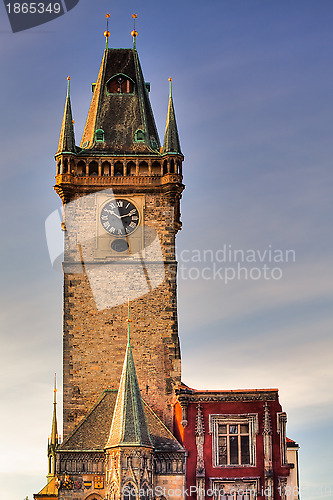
column 233, row 439
column 233, row 444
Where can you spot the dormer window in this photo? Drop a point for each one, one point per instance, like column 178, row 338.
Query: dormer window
column 120, row 84
column 139, row 135
column 99, row 135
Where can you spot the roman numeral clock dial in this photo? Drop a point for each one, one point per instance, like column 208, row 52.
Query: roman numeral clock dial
column 120, row 218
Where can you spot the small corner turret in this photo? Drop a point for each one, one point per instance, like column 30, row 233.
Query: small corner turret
column 171, row 138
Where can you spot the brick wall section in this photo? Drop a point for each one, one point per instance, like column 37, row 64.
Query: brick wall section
column 95, row 340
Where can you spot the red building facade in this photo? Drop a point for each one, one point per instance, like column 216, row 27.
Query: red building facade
column 235, row 441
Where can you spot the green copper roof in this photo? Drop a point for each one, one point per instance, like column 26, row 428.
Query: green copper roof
column 171, row 139
column 120, row 109
column 67, row 138
column 129, row 424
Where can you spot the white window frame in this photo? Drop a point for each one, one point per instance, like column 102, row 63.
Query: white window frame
column 239, row 419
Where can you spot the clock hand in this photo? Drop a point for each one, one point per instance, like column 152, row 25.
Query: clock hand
column 112, row 213
column 131, row 212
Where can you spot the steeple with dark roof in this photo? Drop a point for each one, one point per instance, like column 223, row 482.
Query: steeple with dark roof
column 129, row 424
column 120, row 118
column 54, row 439
column 171, row 138
column 67, row 138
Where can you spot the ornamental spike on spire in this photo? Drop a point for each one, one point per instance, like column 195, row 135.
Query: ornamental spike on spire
column 67, row 138
column 171, row 138
column 129, row 424
column 128, row 322
column 54, row 432
column 134, row 33
column 107, row 32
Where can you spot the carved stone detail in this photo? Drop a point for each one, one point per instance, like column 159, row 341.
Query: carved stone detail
column 200, row 439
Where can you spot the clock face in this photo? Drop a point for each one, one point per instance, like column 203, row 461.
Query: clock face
column 119, row 217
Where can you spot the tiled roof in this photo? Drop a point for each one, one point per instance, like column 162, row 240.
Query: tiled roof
column 120, row 115
column 92, row 433
column 50, row 490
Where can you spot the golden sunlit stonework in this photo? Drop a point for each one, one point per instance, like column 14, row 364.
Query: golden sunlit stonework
column 131, row 428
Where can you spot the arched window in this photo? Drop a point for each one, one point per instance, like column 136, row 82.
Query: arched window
column 99, row 135
column 130, row 168
column 139, row 135
column 118, row 168
column 129, row 492
column 81, row 168
column 165, row 167
column 93, row 168
column 172, row 166
column 120, row 84
column 143, row 168
column 179, row 168
column 65, row 166
column 106, row 168
column 156, row 168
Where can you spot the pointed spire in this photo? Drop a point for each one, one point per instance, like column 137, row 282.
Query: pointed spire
column 67, row 138
column 54, row 439
column 171, row 139
column 54, row 431
column 129, row 424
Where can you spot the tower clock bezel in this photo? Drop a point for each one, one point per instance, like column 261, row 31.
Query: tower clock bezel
column 113, row 214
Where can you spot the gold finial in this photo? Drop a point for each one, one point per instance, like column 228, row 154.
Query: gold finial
column 107, row 32
column 73, row 121
column 128, row 320
column 134, row 33
column 170, row 80
column 68, row 80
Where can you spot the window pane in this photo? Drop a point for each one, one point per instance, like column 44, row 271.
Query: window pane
column 244, row 429
column 222, row 429
column 233, row 442
column 233, row 429
column 222, row 450
column 245, row 450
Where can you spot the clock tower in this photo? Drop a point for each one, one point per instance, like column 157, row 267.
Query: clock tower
column 121, row 194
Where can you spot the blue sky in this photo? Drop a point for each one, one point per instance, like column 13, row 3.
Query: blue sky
column 252, row 85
